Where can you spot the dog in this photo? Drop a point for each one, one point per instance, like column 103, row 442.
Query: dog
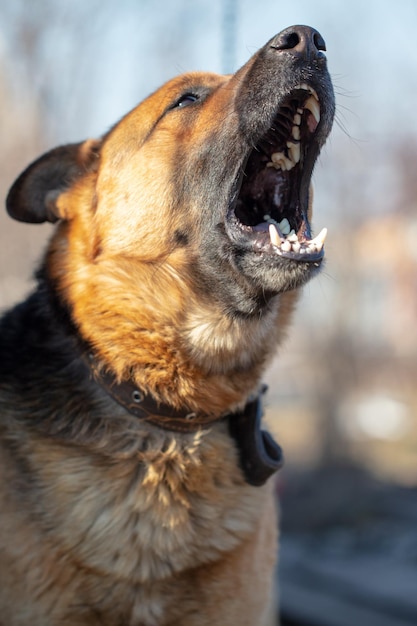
column 136, row 482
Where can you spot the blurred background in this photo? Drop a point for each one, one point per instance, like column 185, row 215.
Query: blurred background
column 343, row 393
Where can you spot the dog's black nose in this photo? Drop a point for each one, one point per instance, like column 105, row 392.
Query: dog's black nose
column 301, row 41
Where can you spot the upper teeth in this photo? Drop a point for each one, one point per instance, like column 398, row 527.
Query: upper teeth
column 280, row 161
column 292, row 244
column 282, row 237
column 286, row 160
column 313, row 106
column 306, row 87
column 294, row 151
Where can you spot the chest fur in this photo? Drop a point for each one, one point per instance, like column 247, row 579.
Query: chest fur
column 178, row 502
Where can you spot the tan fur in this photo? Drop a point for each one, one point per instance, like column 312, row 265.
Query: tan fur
column 106, row 519
column 199, row 523
column 116, row 285
column 193, row 509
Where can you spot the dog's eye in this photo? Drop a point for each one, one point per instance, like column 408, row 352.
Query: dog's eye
column 186, row 100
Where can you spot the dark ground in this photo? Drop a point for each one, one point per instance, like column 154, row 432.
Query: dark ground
column 348, row 553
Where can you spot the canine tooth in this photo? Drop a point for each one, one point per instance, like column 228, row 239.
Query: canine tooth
column 313, row 106
column 319, row 240
column 297, row 118
column 284, row 226
column 270, row 220
column 286, row 246
column 306, row 87
column 313, row 93
column 274, row 236
column 295, row 152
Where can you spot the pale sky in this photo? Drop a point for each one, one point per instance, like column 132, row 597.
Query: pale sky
column 98, row 59
column 124, row 49
column 372, row 49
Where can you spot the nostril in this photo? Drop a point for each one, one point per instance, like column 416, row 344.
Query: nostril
column 290, row 41
column 301, row 40
column 319, row 42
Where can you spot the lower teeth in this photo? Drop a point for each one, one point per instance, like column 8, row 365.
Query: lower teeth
column 291, row 243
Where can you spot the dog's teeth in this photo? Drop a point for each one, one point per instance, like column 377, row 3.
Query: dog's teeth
column 280, row 161
column 297, row 119
column 284, row 239
column 294, row 150
column 319, row 240
column 313, row 106
column 274, row 236
column 277, row 157
column 295, row 132
column 310, row 90
column 270, row 220
column 313, row 93
column 284, row 226
column 277, row 160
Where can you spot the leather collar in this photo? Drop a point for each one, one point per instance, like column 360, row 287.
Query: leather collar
column 259, row 455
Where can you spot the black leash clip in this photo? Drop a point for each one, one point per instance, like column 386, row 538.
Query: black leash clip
column 260, row 455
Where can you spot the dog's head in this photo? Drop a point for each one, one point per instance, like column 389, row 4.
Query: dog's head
column 206, row 187
column 219, row 164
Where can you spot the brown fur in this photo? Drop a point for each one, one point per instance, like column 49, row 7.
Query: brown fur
column 107, row 520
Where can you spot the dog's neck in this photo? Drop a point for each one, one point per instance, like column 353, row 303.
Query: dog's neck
column 146, row 324
column 259, row 455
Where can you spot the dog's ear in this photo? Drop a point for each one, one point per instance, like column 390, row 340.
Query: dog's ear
column 33, row 196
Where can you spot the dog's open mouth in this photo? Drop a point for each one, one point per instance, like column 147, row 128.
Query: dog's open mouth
column 270, row 212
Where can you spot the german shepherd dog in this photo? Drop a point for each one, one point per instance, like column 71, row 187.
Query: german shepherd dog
column 136, row 483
